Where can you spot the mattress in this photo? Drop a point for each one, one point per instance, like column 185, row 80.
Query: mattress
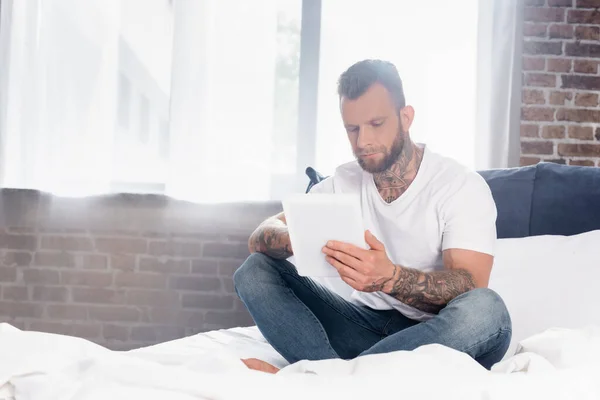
column 242, row 342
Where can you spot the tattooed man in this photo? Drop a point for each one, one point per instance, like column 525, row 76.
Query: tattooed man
column 431, row 233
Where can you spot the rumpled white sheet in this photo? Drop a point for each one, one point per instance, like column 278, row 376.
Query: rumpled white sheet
column 556, row 364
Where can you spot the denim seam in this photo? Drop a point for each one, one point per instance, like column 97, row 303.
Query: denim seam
column 330, row 305
column 499, row 332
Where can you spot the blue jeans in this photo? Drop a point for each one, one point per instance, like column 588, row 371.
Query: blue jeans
column 303, row 320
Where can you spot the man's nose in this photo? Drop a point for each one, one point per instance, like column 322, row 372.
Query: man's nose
column 365, row 137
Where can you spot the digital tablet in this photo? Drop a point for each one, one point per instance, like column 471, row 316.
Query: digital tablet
column 313, row 220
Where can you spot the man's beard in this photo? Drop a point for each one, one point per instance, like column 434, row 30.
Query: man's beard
column 390, row 156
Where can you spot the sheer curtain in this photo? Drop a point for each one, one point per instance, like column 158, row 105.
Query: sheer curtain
column 199, row 100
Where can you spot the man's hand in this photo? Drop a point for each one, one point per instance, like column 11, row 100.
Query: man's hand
column 364, row 270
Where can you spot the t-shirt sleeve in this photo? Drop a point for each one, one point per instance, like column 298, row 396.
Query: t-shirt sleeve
column 469, row 216
column 325, row 186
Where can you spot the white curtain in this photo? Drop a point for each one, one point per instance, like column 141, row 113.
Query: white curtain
column 199, row 99
column 500, row 33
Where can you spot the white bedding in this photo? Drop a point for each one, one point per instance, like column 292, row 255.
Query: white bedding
column 557, row 364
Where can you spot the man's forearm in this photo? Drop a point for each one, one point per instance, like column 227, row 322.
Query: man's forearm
column 271, row 238
column 428, row 291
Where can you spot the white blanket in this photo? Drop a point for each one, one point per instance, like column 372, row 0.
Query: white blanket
column 556, row 364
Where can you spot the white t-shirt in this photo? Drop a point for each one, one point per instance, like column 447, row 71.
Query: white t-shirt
column 446, row 206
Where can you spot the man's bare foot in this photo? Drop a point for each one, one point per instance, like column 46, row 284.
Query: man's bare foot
column 259, row 365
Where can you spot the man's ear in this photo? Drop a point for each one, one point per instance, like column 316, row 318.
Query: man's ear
column 407, row 115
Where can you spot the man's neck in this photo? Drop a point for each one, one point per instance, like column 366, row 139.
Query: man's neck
column 394, row 181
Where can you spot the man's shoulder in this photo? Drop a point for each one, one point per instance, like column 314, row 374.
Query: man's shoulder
column 346, row 177
column 449, row 176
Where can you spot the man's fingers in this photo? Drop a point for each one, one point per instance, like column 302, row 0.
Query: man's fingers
column 347, row 248
column 344, row 270
column 345, row 258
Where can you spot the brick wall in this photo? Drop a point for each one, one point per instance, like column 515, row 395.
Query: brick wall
column 560, row 118
column 123, row 271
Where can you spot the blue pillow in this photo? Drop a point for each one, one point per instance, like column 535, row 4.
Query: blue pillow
column 512, row 189
column 566, row 200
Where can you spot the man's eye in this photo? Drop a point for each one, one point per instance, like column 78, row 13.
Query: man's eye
column 377, row 123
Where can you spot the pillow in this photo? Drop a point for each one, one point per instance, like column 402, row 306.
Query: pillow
column 548, row 282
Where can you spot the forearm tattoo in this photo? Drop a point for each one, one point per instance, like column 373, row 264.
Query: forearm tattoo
column 429, row 292
column 272, row 240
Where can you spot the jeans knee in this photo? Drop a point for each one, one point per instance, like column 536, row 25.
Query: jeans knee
column 487, row 305
column 250, row 276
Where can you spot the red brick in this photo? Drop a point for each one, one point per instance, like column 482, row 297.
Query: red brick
column 50, row 293
column 15, row 258
column 227, row 320
column 531, row 96
column 559, row 65
column 18, row 242
column 537, row 47
column 140, row 280
column 16, row 293
column 553, row 132
column 597, row 136
column 205, row 267
column 583, row 82
column 86, row 331
column 121, row 245
column 98, row 295
column 537, row 147
column 578, row 115
column 123, row 262
column 226, row 250
column 536, row 14
column 581, row 132
column 586, row 67
column 53, row 259
column 91, row 261
column 176, row 249
column 560, row 31
column 582, row 163
column 534, row 30
column 228, row 267
column 533, row 63
column 579, row 150
column 8, row 274
column 537, row 114
column 559, row 98
column 156, row 298
column 156, row 333
column 67, row 243
column 586, row 99
column 228, row 285
column 168, row 316
column 540, row 80
column 67, row 311
column 588, row 3
column 21, row 310
column 529, row 130
column 587, row 32
column 153, row 264
column 86, row 278
column 591, row 17
column 577, row 49
column 195, row 283
column 45, row 276
column 115, row 332
column 114, row 313
column 207, row 301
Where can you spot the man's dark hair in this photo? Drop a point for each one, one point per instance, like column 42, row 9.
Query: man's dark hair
column 357, row 79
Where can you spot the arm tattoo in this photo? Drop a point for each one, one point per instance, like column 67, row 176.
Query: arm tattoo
column 271, row 238
column 429, row 292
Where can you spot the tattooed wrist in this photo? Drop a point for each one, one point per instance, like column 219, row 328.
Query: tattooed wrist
column 429, row 292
